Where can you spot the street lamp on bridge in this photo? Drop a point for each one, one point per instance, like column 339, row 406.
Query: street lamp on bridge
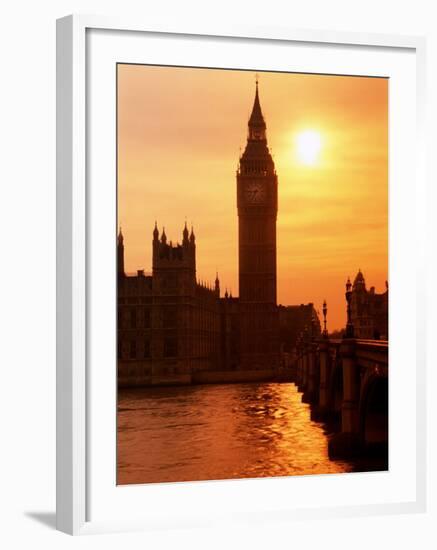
column 325, row 311
column 349, row 325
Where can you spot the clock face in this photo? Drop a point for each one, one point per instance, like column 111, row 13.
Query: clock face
column 255, row 193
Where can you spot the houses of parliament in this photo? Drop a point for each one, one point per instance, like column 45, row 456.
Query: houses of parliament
column 173, row 329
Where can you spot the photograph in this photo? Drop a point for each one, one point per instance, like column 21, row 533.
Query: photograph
column 252, row 249
column 219, row 233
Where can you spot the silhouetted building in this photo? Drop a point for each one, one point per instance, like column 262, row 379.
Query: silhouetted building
column 168, row 322
column 369, row 310
column 293, row 321
column 171, row 327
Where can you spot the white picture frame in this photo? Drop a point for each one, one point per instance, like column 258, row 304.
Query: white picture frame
column 74, row 463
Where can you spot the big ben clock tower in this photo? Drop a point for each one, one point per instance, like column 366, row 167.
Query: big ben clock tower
column 257, row 202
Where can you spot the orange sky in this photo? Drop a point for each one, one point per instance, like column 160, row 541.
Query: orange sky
column 179, row 134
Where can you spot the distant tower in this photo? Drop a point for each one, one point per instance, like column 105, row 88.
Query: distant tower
column 174, row 292
column 174, row 260
column 120, row 254
column 359, row 307
column 257, row 202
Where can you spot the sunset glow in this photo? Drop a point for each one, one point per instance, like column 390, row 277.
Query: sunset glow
column 179, row 134
column 308, row 145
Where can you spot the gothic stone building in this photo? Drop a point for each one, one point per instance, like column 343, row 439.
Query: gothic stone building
column 171, row 327
column 168, row 323
column 369, row 311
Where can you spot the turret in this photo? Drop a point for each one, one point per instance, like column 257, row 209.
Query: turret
column 185, row 239
column 172, row 255
column 155, row 243
column 120, row 254
column 217, row 285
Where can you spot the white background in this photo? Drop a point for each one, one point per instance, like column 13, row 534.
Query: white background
column 27, row 217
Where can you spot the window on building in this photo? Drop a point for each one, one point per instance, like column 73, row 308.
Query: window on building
column 171, row 282
column 146, row 348
column 146, row 317
column 169, row 317
column 170, row 347
column 119, row 317
column 133, row 349
column 133, row 318
column 125, row 349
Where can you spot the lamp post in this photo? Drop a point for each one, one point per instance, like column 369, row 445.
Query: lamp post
column 325, row 311
column 349, row 325
column 300, row 359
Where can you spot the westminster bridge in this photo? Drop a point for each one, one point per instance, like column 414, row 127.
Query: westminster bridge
column 346, row 381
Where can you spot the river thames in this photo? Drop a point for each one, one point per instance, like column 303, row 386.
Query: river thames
column 212, row 432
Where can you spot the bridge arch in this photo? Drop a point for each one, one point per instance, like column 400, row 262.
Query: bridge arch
column 374, row 412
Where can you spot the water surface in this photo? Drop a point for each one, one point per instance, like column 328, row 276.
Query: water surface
column 219, row 432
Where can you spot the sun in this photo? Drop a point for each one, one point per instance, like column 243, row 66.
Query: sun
column 308, row 146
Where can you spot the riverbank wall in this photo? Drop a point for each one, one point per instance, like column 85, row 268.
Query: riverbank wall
column 205, row 377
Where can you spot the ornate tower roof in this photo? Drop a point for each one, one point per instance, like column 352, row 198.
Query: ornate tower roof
column 359, row 281
column 256, row 156
column 359, row 277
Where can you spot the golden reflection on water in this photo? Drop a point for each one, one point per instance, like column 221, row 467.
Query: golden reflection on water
column 219, row 432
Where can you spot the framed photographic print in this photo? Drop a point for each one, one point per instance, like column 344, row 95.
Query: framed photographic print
column 239, row 249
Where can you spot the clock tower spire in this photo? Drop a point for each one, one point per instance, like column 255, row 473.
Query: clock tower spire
column 257, row 125
column 257, row 203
